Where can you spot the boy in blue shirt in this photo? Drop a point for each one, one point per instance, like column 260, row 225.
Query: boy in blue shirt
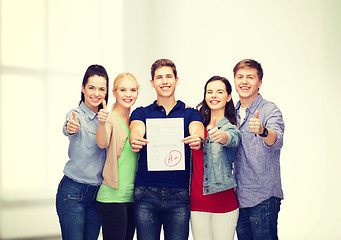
column 257, row 163
column 162, row 197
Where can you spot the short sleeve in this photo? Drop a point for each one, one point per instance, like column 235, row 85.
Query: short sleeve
column 138, row 114
column 194, row 115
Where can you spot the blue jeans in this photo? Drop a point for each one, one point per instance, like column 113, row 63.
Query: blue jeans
column 155, row 207
column 259, row 222
column 77, row 210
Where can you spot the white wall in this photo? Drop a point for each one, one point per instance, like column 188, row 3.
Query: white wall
column 298, row 44
column 48, row 48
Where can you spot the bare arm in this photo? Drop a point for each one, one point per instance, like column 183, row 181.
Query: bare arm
column 197, row 132
column 271, row 138
column 101, row 135
column 137, row 132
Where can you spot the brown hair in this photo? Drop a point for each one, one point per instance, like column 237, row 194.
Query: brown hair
column 249, row 63
column 229, row 112
column 94, row 70
column 163, row 63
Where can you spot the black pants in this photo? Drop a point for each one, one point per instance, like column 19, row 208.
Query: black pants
column 117, row 220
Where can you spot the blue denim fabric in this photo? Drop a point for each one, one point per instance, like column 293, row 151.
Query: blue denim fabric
column 259, row 222
column 218, row 159
column 77, row 210
column 155, row 207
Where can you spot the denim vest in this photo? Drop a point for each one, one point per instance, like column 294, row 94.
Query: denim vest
column 219, row 158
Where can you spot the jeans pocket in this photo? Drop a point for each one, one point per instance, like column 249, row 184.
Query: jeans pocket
column 70, row 193
column 139, row 192
column 183, row 195
column 73, row 196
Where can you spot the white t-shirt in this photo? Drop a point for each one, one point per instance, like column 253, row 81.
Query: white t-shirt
column 242, row 113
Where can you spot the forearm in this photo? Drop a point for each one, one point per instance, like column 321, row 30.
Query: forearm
column 137, row 129
column 271, row 138
column 137, row 132
column 196, row 131
column 197, row 128
column 101, row 136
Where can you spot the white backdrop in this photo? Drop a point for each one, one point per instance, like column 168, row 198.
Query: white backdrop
column 297, row 43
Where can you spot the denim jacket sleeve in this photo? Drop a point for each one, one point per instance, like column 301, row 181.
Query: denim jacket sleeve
column 218, row 160
column 233, row 134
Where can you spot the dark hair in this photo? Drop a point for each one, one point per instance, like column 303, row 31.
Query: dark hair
column 163, row 63
column 229, row 107
column 249, row 63
column 92, row 71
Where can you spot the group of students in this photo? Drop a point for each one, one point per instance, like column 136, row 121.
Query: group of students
column 230, row 181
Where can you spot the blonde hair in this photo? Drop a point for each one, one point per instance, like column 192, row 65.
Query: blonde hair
column 121, row 77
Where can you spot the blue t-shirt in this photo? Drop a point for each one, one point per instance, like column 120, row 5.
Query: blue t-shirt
column 169, row 179
column 86, row 158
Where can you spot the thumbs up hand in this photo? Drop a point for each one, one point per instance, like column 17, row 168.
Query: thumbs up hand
column 216, row 135
column 72, row 125
column 255, row 124
column 103, row 113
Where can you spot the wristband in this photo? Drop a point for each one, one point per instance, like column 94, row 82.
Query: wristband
column 201, row 143
column 265, row 132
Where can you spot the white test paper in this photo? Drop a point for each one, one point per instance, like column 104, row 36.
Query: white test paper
column 165, row 151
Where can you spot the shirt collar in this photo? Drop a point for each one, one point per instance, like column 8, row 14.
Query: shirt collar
column 155, row 106
column 179, row 104
column 87, row 111
column 254, row 105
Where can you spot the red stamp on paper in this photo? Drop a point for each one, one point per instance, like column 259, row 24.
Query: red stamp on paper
column 173, row 158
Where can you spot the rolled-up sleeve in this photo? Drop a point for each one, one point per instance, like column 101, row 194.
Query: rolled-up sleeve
column 275, row 122
column 234, row 136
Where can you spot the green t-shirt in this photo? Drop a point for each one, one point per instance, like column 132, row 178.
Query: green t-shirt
column 126, row 175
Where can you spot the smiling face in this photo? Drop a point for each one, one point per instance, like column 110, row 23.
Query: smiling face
column 94, row 92
column 126, row 92
column 216, row 95
column 164, row 82
column 247, row 85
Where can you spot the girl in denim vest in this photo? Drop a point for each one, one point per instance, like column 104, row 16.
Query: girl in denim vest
column 214, row 206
